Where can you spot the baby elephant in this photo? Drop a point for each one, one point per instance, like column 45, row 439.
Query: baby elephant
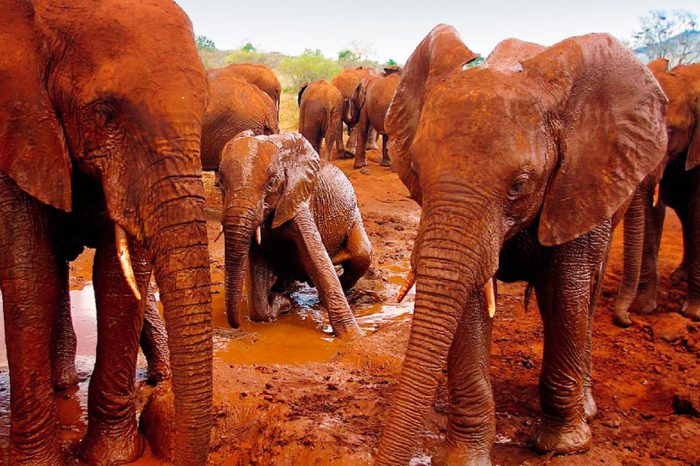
column 289, row 216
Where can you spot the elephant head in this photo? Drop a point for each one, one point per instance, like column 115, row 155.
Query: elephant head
column 353, row 107
column 265, row 181
column 558, row 143
column 117, row 91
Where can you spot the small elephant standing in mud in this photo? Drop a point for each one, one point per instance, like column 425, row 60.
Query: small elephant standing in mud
column 370, row 104
column 234, row 106
column 288, row 216
column 347, row 81
column 522, row 168
column 321, row 109
column 99, row 146
column 680, row 189
column 259, row 75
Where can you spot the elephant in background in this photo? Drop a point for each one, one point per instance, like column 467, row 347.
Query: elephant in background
column 522, row 171
column 258, row 75
column 347, row 81
column 290, row 217
column 370, row 104
column 679, row 188
column 234, row 106
column 321, row 108
column 99, row 146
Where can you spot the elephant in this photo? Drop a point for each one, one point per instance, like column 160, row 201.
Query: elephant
column 304, row 217
column 259, row 75
column 321, row 107
column 347, row 81
column 371, row 102
column 99, row 146
column 678, row 180
column 234, row 106
column 522, row 172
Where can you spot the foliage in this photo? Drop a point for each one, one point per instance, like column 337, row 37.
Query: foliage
column 391, row 62
column 204, row 43
column 307, row 67
column 348, row 56
column 248, row 47
column 474, row 63
column 674, row 36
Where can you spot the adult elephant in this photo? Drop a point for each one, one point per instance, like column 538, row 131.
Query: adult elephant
column 347, row 81
column 99, row 145
column 258, row 75
column 521, row 173
column 679, row 189
column 321, row 108
column 234, row 106
column 304, row 216
column 370, row 103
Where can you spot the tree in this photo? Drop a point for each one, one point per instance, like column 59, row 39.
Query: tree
column 348, row 56
column 307, row 67
column 391, row 62
column 204, row 43
column 248, row 47
column 674, row 36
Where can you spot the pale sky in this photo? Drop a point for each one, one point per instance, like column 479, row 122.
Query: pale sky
column 393, row 28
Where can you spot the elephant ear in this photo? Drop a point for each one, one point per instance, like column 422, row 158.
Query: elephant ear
column 301, row 92
column 693, row 158
column 301, row 167
column 607, row 111
column 360, row 94
column 34, row 152
column 441, row 52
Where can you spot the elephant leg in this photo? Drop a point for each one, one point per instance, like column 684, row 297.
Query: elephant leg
column 339, row 145
column 64, row 341
column 358, row 258
column 262, row 279
column 154, row 341
column 691, row 308
column 352, row 139
column 330, row 138
column 564, row 290
column 386, row 162
column 634, row 223
column 31, row 287
column 322, row 273
column 647, row 291
column 471, row 427
column 362, row 130
column 112, row 435
column 372, row 139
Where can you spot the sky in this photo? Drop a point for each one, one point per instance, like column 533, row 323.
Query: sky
column 393, row 28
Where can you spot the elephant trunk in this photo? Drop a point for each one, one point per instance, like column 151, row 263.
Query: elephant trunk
column 178, row 246
column 451, row 265
column 239, row 227
column 633, row 252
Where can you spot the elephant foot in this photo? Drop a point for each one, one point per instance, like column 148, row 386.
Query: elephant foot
column 359, row 164
column 460, row 455
column 49, row 456
column 691, row 311
column 571, row 437
column 622, row 319
column 679, row 274
column 65, row 376
column 158, row 421
column 347, row 332
column 386, row 163
column 645, row 302
column 590, row 408
column 348, row 155
column 102, row 446
column 372, row 146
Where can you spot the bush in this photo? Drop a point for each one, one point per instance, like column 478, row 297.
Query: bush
column 307, row 67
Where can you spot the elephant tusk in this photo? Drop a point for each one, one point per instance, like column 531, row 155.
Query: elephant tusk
column 408, row 283
column 258, row 236
column 490, row 295
column 221, row 232
column 122, row 243
column 657, row 194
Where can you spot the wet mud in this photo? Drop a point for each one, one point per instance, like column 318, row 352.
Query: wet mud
column 288, row 393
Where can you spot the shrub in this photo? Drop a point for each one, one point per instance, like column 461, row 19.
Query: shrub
column 307, row 67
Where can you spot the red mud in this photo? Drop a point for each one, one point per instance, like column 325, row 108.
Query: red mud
column 288, row 393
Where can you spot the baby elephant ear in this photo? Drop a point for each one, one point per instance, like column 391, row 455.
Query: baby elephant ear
column 33, row 150
column 693, row 159
column 301, row 167
column 440, row 53
column 607, row 114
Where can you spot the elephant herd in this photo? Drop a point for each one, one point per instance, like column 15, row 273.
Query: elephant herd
column 523, row 167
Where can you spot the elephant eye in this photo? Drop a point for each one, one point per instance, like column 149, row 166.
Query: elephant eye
column 516, row 188
column 105, row 114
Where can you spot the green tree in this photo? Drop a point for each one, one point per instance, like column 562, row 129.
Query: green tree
column 348, row 56
column 391, row 62
column 248, row 47
column 307, row 67
column 474, row 63
column 204, row 43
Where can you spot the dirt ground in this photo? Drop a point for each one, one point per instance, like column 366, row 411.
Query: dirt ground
column 287, row 393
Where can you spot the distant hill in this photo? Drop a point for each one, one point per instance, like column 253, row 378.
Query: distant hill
column 673, row 43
